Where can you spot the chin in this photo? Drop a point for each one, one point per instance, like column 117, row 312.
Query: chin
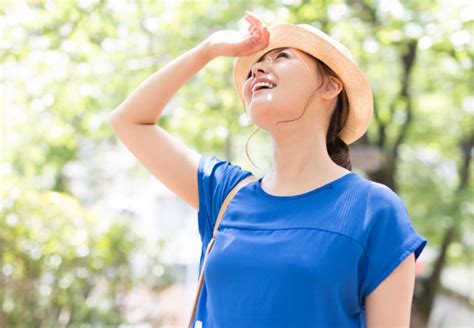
column 263, row 116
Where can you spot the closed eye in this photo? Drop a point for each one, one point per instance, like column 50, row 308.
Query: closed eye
column 281, row 53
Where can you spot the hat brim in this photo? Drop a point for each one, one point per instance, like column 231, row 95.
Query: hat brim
column 318, row 44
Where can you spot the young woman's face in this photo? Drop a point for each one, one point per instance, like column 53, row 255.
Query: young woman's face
column 295, row 76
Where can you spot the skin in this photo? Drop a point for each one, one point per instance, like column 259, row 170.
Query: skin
column 389, row 305
column 134, row 122
column 301, row 161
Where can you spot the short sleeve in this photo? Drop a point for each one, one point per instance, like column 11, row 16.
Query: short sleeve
column 216, row 178
column 389, row 237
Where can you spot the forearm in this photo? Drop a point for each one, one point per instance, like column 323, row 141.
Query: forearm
column 145, row 104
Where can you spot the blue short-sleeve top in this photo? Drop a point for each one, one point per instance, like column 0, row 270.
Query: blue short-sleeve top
column 306, row 260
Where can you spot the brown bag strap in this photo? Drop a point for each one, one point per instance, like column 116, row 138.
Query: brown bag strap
column 227, row 200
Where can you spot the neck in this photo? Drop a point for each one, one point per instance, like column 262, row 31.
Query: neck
column 300, row 166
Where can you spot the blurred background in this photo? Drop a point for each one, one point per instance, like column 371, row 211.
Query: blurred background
column 89, row 238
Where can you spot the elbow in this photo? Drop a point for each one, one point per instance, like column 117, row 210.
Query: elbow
column 115, row 120
column 112, row 118
column 119, row 117
column 121, row 113
column 116, row 115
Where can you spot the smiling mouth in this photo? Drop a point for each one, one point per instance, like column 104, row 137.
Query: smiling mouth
column 256, row 91
column 262, row 89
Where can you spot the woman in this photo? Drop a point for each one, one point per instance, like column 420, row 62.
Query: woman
column 312, row 243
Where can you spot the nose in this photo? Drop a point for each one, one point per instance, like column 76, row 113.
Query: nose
column 260, row 66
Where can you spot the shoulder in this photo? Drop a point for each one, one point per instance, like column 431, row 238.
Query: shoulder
column 211, row 162
column 384, row 217
column 376, row 196
column 383, row 199
column 381, row 191
column 216, row 178
column 220, row 170
column 376, row 209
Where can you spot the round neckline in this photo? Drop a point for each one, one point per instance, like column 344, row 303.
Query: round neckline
column 328, row 185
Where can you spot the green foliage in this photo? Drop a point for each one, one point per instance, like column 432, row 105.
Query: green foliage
column 67, row 64
column 59, row 263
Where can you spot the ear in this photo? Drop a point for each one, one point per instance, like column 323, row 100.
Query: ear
column 332, row 89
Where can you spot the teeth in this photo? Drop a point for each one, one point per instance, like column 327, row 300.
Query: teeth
column 259, row 84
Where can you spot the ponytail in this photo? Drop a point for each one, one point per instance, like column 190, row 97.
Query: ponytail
column 337, row 149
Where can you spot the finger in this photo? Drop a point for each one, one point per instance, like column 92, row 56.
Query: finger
column 251, row 14
column 252, row 23
column 254, row 17
column 254, row 30
column 247, row 18
column 255, row 20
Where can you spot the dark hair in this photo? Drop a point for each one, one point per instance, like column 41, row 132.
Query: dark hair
column 337, row 149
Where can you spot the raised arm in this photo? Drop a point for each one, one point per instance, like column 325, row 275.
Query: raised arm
column 134, row 120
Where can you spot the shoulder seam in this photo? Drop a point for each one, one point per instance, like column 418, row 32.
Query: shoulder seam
column 223, row 224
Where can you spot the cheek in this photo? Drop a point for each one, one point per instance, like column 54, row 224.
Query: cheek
column 299, row 80
column 246, row 90
column 301, row 65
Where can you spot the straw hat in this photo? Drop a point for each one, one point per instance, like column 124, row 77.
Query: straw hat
column 313, row 41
